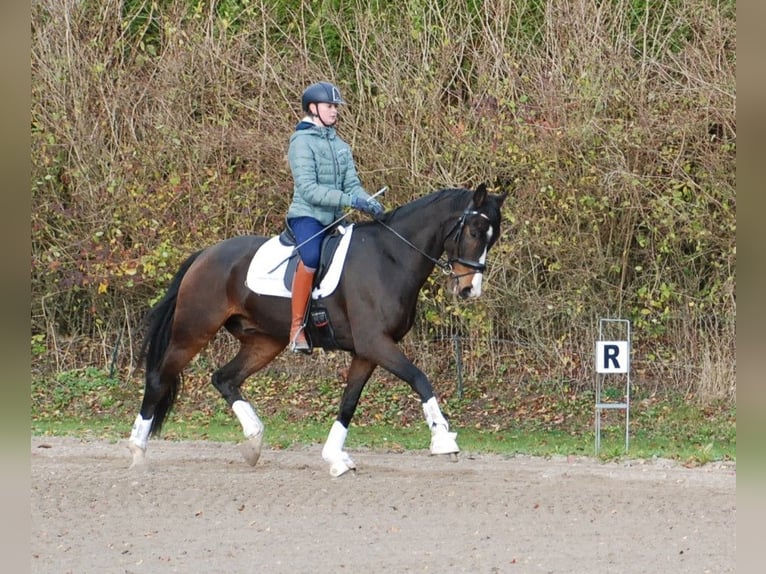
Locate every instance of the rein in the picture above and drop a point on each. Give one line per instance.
(446, 265)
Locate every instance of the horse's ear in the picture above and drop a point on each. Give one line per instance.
(480, 195)
(501, 198)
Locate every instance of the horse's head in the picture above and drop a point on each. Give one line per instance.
(473, 235)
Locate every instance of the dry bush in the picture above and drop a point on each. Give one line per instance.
(159, 128)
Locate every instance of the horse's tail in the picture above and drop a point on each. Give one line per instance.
(159, 323)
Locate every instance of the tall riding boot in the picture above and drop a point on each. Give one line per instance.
(301, 291)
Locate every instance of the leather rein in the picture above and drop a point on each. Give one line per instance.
(446, 264)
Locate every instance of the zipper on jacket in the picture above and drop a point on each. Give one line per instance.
(336, 165)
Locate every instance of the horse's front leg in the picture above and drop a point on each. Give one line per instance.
(358, 374)
(391, 358)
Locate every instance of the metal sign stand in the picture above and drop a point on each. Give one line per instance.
(612, 358)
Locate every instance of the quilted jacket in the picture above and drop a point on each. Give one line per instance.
(324, 174)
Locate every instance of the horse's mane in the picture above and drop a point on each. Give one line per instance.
(454, 194)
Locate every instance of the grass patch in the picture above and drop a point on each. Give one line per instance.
(535, 420)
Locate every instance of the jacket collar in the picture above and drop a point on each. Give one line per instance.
(307, 124)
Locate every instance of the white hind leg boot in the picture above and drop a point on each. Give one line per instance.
(139, 437)
(252, 427)
(442, 441)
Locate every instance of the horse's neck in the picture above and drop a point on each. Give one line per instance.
(427, 234)
(424, 229)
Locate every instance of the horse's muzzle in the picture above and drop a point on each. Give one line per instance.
(466, 292)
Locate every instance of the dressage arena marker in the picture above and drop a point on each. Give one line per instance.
(612, 359)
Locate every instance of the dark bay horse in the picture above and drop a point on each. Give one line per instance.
(372, 309)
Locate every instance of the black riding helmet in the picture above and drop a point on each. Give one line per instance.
(321, 92)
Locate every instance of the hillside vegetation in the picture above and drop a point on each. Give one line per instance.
(161, 127)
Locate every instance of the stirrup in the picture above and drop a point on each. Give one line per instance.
(300, 344)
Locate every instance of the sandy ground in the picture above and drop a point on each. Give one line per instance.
(198, 508)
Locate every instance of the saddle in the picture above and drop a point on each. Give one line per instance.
(330, 244)
(273, 266)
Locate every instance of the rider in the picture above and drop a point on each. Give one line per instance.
(325, 181)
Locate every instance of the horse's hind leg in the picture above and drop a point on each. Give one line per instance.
(162, 386)
(256, 351)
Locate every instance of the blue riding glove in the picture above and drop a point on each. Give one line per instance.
(369, 206)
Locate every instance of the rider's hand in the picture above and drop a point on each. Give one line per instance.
(370, 206)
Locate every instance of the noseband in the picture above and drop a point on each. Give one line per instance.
(457, 230)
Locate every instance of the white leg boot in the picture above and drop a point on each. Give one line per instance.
(332, 452)
(442, 441)
(253, 428)
(139, 437)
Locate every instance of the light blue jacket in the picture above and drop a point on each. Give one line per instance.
(324, 174)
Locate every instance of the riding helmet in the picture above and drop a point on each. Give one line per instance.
(323, 92)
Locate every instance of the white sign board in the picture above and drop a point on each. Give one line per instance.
(612, 357)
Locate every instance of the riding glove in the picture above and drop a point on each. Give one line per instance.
(370, 206)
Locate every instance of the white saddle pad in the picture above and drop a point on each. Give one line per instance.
(266, 274)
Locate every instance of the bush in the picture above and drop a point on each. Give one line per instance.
(158, 128)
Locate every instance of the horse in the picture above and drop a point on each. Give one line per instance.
(388, 260)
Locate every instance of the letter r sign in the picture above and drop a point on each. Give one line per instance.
(612, 357)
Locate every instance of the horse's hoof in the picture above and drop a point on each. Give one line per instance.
(251, 449)
(341, 467)
(444, 442)
(139, 455)
(453, 457)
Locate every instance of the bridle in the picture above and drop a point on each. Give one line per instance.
(446, 265)
(476, 266)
